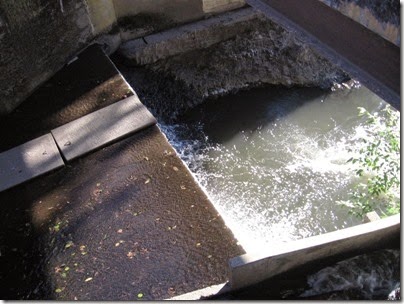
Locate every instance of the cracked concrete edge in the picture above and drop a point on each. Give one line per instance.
(192, 36)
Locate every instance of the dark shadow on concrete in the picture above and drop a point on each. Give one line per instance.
(121, 216)
(89, 83)
(124, 220)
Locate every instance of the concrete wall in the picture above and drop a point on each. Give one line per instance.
(102, 15)
(380, 16)
(147, 17)
(37, 37)
(176, 10)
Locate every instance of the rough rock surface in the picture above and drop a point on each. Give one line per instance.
(36, 39)
(265, 55)
(384, 10)
(379, 16)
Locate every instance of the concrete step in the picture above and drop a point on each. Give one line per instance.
(102, 127)
(88, 84)
(192, 36)
(28, 160)
(83, 104)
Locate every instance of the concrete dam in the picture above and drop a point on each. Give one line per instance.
(144, 147)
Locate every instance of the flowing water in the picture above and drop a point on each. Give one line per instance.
(274, 160)
(369, 276)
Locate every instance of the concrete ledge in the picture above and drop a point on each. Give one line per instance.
(249, 269)
(189, 37)
(101, 127)
(28, 160)
(203, 293)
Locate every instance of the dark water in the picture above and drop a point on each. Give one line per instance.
(273, 160)
(371, 276)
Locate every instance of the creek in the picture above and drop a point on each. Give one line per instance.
(274, 160)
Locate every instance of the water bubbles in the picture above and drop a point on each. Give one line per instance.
(280, 181)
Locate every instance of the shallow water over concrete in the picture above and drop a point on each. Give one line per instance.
(126, 222)
(273, 160)
(123, 221)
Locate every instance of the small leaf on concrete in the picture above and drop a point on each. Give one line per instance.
(68, 244)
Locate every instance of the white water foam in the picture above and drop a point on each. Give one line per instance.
(279, 182)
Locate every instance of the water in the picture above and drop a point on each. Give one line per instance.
(369, 276)
(273, 160)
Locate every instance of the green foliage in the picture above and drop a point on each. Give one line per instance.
(377, 165)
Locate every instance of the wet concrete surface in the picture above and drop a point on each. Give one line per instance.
(88, 84)
(126, 222)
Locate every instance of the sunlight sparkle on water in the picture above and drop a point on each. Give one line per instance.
(280, 181)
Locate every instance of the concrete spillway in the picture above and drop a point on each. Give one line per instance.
(128, 220)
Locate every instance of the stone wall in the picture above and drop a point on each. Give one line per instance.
(380, 16)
